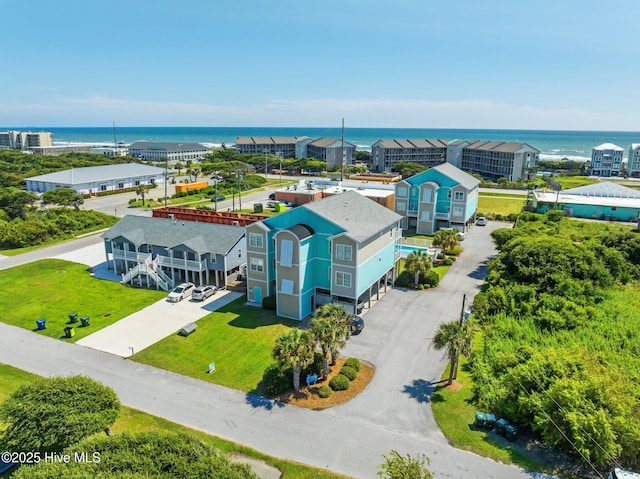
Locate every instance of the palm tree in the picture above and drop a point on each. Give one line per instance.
(446, 240)
(457, 339)
(178, 166)
(340, 320)
(195, 171)
(294, 349)
(189, 166)
(325, 331)
(142, 190)
(418, 263)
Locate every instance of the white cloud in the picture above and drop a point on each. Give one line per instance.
(99, 110)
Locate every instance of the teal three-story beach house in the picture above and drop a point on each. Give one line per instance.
(341, 249)
(442, 196)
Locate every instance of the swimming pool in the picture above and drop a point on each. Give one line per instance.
(405, 250)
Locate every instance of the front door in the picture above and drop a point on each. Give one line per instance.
(257, 294)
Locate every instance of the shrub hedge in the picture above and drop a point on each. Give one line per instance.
(349, 373)
(353, 363)
(339, 383)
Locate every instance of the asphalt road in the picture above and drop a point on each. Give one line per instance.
(392, 413)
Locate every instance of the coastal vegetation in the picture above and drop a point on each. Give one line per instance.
(561, 336)
(15, 166)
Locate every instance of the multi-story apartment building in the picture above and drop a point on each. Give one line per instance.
(341, 249)
(386, 153)
(25, 140)
(494, 159)
(332, 151)
(442, 196)
(633, 162)
(282, 146)
(606, 160)
(171, 152)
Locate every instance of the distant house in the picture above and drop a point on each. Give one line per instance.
(94, 179)
(604, 201)
(160, 253)
(442, 196)
(341, 249)
(633, 162)
(163, 152)
(606, 160)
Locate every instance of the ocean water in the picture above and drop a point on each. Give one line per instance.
(553, 145)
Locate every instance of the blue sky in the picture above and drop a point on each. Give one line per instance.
(560, 64)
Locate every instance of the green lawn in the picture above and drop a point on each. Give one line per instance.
(132, 420)
(238, 339)
(574, 181)
(503, 205)
(53, 288)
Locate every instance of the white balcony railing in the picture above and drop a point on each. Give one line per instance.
(130, 255)
(191, 265)
(443, 216)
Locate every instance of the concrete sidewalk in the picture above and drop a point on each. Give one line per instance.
(153, 323)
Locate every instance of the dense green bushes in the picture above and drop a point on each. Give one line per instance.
(353, 363)
(339, 383)
(349, 372)
(324, 391)
(405, 280)
(561, 342)
(41, 226)
(142, 455)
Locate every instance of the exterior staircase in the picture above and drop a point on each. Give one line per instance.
(152, 269)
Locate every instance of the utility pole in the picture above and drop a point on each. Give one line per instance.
(343, 157)
(464, 299)
(166, 178)
(239, 191)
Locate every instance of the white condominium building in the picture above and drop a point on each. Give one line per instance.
(25, 140)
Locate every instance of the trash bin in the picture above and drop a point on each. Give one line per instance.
(73, 317)
(511, 432)
(258, 208)
(501, 425)
(480, 419)
(69, 332)
(85, 320)
(41, 323)
(490, 421)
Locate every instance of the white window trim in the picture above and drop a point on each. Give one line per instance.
(460, 194)
(256, 240)
(256, 264)
(346, 278)
(344, 252)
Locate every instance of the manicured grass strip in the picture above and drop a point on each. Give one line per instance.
(238, 339)
(500, 205)
(132, 420)
(53, 288)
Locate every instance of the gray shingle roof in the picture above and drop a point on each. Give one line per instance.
(200, 237)
(360, 217)
(412, 144)
(447, 169)
(326, 142)
(502, 146)
(92, 174)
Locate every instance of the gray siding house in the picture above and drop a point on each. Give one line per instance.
(163, 252)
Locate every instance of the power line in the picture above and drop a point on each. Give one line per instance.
(558, 428)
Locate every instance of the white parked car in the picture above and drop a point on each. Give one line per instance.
(482, 221)
(203, 292)
(183, 290)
